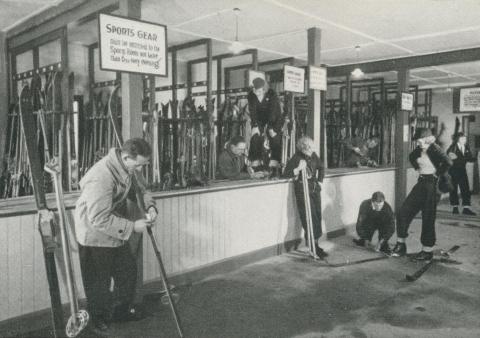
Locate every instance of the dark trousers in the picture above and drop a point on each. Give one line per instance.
(460, 178)
(373, 222)
(423, 197)
(315, 206)
(99, 265)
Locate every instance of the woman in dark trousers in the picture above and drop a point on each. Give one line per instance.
(431, 162)
(306, 158)
(459, 152)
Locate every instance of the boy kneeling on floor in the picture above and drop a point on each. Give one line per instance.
(375, 214)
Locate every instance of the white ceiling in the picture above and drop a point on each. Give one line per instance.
(383, 28)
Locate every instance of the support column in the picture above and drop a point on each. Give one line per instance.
(315, 118)
(131, 84)
(402, 141)
(4, 79)
(132, 94)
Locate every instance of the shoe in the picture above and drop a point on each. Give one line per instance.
(320, 252)
(455, 210)
(399, 250)
(423, 256)
(385, 248)
(359, 242)
(467, 211)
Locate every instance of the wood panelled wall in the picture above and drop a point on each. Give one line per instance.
(196, 230)
(193, 231)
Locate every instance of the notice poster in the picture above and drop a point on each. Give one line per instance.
(293, 79)
(469, 100)
(407, 101)
(317, 78)
(133, 46)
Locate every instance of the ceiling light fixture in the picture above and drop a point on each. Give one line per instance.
(357, 72)
(236, 46)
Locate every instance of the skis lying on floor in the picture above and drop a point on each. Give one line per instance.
(326, 263)
(444, 258)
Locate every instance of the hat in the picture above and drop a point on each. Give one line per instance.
(422, 133)
(258, 82)
(378, 196)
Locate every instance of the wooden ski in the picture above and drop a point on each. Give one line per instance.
(45, 217)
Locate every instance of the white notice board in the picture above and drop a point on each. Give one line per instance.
(293, 79)
(133, 46)
(407, 101)
(469, 99)
(317, 78)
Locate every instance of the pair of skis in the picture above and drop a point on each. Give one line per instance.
(444, 257)
(78, 318)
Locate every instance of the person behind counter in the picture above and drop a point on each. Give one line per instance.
(104, 221)
(305, 157)
(460, 153)
(232, 163)
(431, 162)
(375, 214)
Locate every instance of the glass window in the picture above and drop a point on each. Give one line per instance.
(49, 53)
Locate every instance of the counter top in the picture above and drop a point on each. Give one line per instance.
(26, 205)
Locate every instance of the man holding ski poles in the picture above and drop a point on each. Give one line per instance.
(104, 221)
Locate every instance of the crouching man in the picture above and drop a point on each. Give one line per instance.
(105, 218)
(375, 214)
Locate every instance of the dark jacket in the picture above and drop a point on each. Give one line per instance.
(439, 158)
(267, 112)
(314, 166)
(231, 166)
(366, 214)
(461, 159)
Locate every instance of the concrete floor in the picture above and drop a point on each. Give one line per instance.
(292, 296)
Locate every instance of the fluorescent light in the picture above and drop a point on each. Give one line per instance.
(357, 72)
(236, 47)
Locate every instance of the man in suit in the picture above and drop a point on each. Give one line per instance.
(460, 153)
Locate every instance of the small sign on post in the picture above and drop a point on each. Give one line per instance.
(132, 46)
(293, 79)
(317, 78)
(407, 101)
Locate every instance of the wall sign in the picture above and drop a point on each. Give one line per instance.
(134, 46)
(407, 101)
(293, 79)
(317, 78)
(469, 100)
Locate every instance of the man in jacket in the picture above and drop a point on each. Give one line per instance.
(430, 162)
(104, 221)
(375, 214)
(232, 163)
(460, 153)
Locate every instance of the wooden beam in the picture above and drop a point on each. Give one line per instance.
(67, 12)
(402, 142)
(190, 44)
(225, 56)
(219, 82)
(174, 75)
(410, 62)
(314, 118)
(255, 60)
